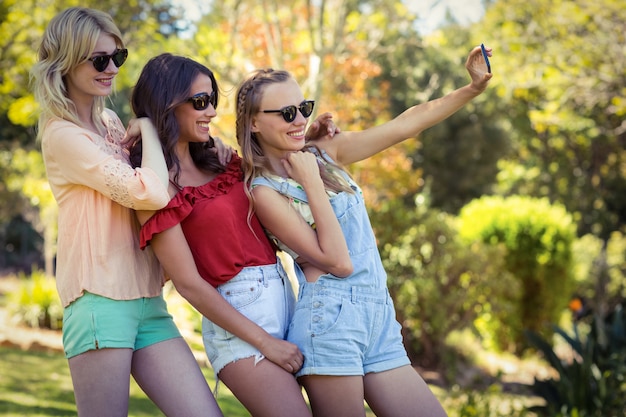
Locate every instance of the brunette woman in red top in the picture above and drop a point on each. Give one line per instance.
(213, 248)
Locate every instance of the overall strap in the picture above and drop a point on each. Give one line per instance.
(282, 186)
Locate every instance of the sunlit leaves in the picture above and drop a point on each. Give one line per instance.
(565, 74)
(23, 111)
(538, 238)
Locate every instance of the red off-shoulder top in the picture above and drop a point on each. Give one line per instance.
(214, 217)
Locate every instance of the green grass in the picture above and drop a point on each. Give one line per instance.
(38, 384)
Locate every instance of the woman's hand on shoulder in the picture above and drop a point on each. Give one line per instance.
(322, 128)
(223, 151)
(138, 129)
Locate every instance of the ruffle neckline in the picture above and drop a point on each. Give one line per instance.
(181, 205)
(220, 185)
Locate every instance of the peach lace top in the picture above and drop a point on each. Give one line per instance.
(97, 190)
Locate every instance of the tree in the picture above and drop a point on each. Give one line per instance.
(458, 157)
(565, 94)
(326, 45)
(24, 187)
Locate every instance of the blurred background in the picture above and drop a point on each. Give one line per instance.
(502, 228)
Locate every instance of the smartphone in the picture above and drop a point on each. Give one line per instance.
(482, 47)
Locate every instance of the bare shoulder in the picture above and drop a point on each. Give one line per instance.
(266, 197)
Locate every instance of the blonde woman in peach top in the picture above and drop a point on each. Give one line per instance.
(115, 321)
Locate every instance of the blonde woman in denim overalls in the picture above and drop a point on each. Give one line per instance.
(344, 322)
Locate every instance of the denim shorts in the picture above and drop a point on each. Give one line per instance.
(343, 330)
(95, 322)
(264, 295)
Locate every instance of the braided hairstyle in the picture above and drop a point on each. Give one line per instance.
(254, 162)
(249, 96)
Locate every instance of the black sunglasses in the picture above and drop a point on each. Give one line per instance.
(289, 113)
(101, 62)
(201, 101)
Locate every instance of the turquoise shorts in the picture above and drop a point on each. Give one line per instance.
(95, 322)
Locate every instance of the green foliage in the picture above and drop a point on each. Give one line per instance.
(439, 284)
(563, 86)
(36, 302)
(469, 403)
(616, 264)
(29, 177)
(538, 239)
(458, 156)
(593, 382)
(600, 269)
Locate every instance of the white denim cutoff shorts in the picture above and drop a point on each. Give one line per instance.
(264, 295)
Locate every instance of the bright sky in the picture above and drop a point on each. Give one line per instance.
(432, 13)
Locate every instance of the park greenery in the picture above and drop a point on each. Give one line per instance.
(489, 222)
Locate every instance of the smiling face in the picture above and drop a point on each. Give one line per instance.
(276, 136)
(194, 124)
(84, 82)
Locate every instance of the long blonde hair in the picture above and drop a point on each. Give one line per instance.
(68, 41)
(254, 163)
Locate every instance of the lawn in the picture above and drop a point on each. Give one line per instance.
(38, 384)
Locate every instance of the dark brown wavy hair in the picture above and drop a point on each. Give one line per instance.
(164, 84)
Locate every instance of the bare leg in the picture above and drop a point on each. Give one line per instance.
(169, 374)
(101, 380)
(332, 396)
(265, 389)
(401, 392)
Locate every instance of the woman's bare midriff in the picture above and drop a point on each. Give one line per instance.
(311, 273)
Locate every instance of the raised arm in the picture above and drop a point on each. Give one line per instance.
(78, 156)
(172, 250)
(152, 154)
(349, 147)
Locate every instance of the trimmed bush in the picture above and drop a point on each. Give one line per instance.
(439, 284)
(538, 239)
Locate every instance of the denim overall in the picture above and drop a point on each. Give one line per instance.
(345, 326)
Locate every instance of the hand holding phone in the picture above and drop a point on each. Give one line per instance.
(482, 48)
